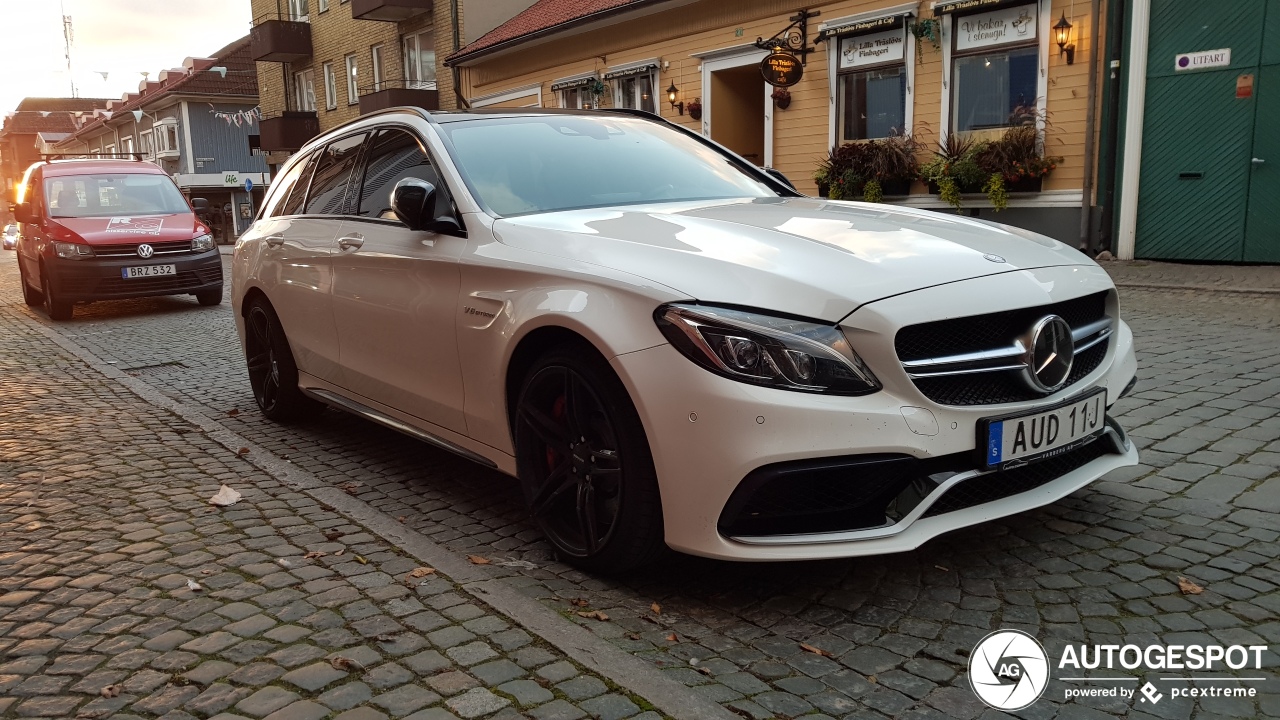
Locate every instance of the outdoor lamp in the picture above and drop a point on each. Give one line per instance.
(672, 93)
(1062, 33)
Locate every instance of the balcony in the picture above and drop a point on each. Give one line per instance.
(279, 40)
(388, 10)
(287, 132)
(395, 93)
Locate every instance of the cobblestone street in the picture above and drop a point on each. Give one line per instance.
(116, 428)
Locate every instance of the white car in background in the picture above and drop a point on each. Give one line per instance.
(671, 347)
(9, 238)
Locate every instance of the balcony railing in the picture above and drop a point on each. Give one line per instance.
(288, 131)
(397, 93)
(388, 10)
(279, 39)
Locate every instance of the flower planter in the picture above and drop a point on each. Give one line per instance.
(896, 187)
(1024, 185)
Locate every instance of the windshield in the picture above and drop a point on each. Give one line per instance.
(526, 165)
(10, 229)
(106, 195)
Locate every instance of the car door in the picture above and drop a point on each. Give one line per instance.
(395, 292)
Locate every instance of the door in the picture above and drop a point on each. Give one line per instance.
(395, 293)
(736, 109)
(1262, 230)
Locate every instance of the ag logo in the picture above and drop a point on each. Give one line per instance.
(1008, 670)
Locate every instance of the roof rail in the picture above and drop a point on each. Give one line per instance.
(136, 156)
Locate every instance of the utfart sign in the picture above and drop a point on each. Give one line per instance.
(1203, 60)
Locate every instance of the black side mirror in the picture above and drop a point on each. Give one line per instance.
(414, 201)
(776, 174)
(22, 213)
(200, 205)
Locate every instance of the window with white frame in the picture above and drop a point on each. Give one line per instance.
(330, 91)
(166, 136)
(353, 92)
(322, 5)
(375, 56)
(871, 81)
(420, 61)
(126, 145)
(110, 149)
(304, 90)
(298, 11)
(633, 87)
(995, 60)
(573, 92)
(145, 146)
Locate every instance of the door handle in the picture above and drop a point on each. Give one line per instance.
(275, 240)
(1257, 161)
(351, 242)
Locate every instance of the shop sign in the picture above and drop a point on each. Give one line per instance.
(781, 69)
(1203, 60)
(1244, 86)
(231, 180)
(947, 8)
(998, 27)
(872, 49)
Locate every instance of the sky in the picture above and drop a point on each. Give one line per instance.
(122, 38)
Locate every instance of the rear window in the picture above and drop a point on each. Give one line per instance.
(112, 194)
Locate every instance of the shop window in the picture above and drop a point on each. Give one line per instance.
(635, 91)
(574, 98)
(573, 91)
(871, 87)
(994, 68)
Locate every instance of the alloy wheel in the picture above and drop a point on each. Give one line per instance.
(263, 363)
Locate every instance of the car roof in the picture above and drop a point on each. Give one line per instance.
(57, 168)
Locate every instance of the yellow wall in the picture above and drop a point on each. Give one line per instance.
(801, 131)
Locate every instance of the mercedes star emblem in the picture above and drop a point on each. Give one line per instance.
(145, 251)
(993, 258)
(1050, 352)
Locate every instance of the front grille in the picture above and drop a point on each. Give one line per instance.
(1003, 484)
(995, 331)
(171, 247)
(119, 286)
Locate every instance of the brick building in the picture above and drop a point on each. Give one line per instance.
(20, 139)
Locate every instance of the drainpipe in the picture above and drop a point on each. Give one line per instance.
(1086, 192)
(1110, 140)
(1135, 104)
(457, 43)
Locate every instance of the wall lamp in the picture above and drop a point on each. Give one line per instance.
(672, 93)
(1062, 33)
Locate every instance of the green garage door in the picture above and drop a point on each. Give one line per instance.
(1210, 185)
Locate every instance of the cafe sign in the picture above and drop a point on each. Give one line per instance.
(872, 49)
(781, 69)
(998, 27)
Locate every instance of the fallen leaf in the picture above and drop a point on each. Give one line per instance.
(594, 614)
(704, 671)
(284, 563)
(1189, 587)
(386, 637)
(650, 618)
(350, 488)
(233, 412)
(206, 571)
(242, 451)
(225, 497)
(656, 608)
(402, 518)
(872, 679)
(633, 636)
(337, 554)
(477, 560)
(314, 554)
(673, 638)
(942, 568)
(193, 586)
(421, 572)
(111, 691)
(344, 663)
(815, 650)
(361, 560)
(579, 602)
(332, 535)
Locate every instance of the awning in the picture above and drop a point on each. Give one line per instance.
(641, 69)
(954, 6)
(863, 27)
(570, 83)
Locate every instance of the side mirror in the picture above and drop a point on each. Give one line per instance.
(23, 214)
(200, 205)
(414, 201)
(777, 175)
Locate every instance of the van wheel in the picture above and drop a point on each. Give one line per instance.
(30, 295)
(584, 463)
(209, 298)
(57, 308)
(273, 374)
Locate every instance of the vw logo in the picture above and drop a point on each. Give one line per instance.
(1050, 352)
(1008, 670)
(145, 251)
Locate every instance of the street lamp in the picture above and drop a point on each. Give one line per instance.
(1062, 33)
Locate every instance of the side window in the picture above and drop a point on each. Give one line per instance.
(395, 155)
(278, 201)
(334, 166)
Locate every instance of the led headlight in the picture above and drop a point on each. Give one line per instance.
(202, 243)
(72, 251)
(767, 350)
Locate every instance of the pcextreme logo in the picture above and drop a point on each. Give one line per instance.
(1009, 670)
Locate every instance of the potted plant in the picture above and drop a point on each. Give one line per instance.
(781, 97)
(869, 170)
(1015, 161)
(695, 109)
(955, 169)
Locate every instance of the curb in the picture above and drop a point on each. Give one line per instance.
(1196, 288)
(579, 644)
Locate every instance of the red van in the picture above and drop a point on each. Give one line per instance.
(109, 229)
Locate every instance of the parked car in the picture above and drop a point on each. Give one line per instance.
(668, 345)
(107, 229)
(10, 236)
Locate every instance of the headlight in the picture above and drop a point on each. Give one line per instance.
(766, 350)
(73, 251)
(202, 243)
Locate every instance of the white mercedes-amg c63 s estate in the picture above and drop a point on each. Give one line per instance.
(669, 346)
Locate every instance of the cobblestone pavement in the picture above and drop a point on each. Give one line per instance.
(124, 593)
(1236, 278)
(1101, 566)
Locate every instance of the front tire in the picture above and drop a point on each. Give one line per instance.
(209, 298)
(57, 308)
(273, 374)
(584, 463)
(30, 295)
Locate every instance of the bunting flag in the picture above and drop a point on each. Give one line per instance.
(137, 116)
(45, 113)
(239, 118)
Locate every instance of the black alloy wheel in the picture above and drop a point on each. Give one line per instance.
(273, 375)
(585, 465)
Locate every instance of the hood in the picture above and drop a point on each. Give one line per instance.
(804, 256)
(136, 229)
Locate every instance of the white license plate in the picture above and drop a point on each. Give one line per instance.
(1044, 433)
(147, 271)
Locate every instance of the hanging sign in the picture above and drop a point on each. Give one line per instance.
(781, 69)
(1203, 60)
(872, 49)
(998, 27)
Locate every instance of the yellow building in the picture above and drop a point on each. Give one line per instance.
(961, 68)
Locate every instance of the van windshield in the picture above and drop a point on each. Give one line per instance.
(106, 195)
